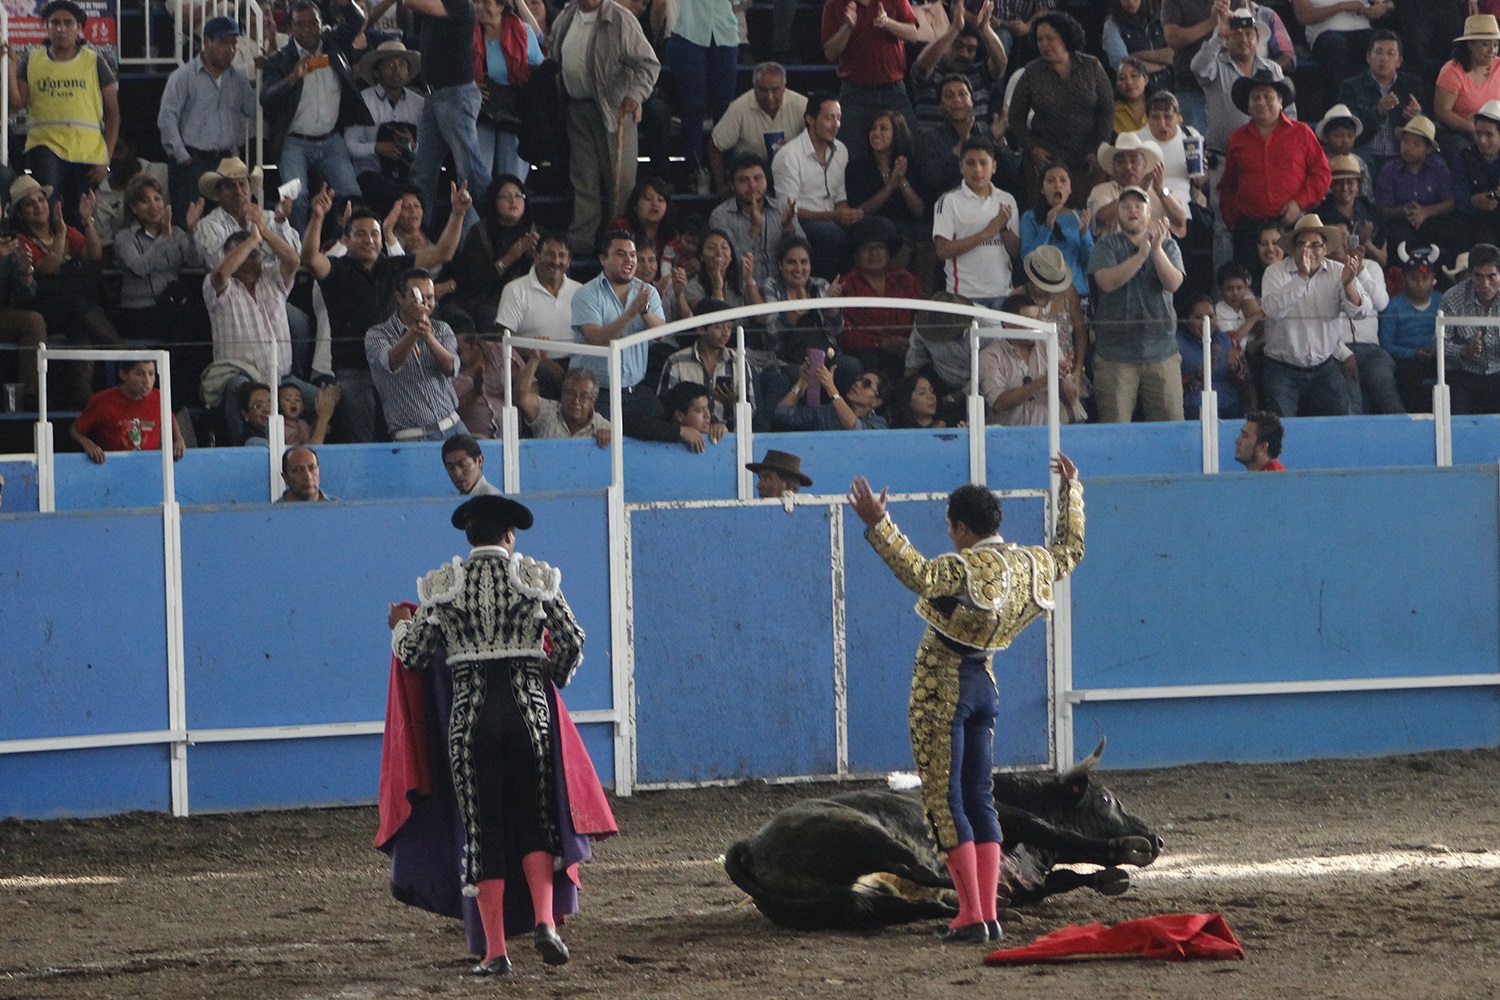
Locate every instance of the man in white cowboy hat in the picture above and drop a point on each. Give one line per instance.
(1415, 190)
(1476, 179)
(386, 146)
(310, 96)
(1383, 99)
(1338, 130)
(204, 109)
(1274, 167)
(233, 185)
(1308, 299)
(1228, 55)
(1134, 162)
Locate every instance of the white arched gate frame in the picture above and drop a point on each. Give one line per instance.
(984, 324)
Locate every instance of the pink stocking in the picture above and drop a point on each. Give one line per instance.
(538, 868)
(987, 865)
(962, 866)
(492, 914)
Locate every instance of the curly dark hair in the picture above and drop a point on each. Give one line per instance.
(976, 508)
(1067, 27)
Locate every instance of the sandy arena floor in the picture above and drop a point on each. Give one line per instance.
(1358, 879)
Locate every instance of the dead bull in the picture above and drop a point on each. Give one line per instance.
(836, 863)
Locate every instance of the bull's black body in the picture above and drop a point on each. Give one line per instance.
(804, 869)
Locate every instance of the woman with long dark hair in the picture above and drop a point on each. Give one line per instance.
(497, 251)
(650, 214)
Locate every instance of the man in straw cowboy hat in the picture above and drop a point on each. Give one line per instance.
(204, 109)
(1308, 298)
(1346, 201)
(233, 185)
(778, 473)
(1415, 190)
(1274, 167)
(1134, 162)
(382, 151)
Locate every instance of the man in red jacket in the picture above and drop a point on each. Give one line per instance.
(1275, 169)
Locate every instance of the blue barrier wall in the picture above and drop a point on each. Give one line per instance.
(1288, 577)
(284, 624)
(1188, 580)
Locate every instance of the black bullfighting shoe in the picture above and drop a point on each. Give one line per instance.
(974, 933)
(494, 967)
(996, 932)
(549, 945)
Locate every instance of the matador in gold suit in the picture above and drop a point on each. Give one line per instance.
(975, 600)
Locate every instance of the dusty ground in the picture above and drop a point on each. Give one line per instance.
(1358, 879)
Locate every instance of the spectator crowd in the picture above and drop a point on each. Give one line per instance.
(1130, 178)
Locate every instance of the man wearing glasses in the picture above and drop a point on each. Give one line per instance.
(1307, 298)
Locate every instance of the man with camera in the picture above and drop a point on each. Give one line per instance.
(310, 97)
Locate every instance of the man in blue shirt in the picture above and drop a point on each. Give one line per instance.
(207, 101)
(614, 305)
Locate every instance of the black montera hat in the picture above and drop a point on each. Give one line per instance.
(501, 510)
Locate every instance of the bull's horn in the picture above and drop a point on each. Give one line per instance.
(1083, 767)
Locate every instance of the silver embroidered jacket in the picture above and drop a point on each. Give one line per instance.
(492, 606)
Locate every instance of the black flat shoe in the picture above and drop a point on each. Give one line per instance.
(494, 967)
(549, 945)
(974, 933)
(996, 932)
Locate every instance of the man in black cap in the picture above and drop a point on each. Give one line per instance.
(778, 473)
(507, 631)
(203, 111)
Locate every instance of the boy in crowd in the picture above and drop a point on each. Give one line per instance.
(976, 230)
(1408, 330)
(125, 418)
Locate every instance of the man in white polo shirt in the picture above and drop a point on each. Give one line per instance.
(539, 304)
(976, 230)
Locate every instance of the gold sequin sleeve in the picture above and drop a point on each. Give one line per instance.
(941, 577)
(1067, 547)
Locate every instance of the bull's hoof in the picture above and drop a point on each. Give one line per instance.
(1111, 882)
(549, 945)
(975, 933)
(494, 967)
(1137, 851)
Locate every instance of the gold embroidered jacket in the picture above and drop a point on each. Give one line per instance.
(984, 596)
